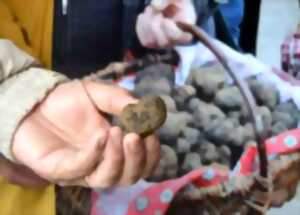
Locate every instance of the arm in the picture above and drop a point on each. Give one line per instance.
(22, 86)
(61, 135)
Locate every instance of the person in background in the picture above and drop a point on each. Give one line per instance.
(290, 54)
(42, 112)
(233, 13)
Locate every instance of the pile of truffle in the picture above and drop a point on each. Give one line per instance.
(207, 120)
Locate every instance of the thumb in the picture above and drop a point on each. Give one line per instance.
(110, 99)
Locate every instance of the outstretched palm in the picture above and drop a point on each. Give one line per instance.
(66, 139)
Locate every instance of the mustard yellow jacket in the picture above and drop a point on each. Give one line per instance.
(27, 23)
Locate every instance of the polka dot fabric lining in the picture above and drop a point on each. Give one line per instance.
(157, 198)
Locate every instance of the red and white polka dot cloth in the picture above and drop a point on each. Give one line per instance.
(290, 55)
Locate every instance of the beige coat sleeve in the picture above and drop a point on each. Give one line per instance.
(22, 86)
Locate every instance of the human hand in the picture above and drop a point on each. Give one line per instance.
(156, 26)
(67, 141)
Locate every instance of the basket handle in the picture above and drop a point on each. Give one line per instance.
(259, 130)
(116, 70)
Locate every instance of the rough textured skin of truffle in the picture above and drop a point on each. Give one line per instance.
(168, 165)
(192, 135)
(229, 98)
(152, 86)
(205, 113)
(285, 118)
(264, 93)
(182, 94)
(169, 101)
(145, 117)
(174, 125)
(183, 146)
(207, 120)
(191, 162)
(208, 80)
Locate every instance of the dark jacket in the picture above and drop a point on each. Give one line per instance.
(90, 34)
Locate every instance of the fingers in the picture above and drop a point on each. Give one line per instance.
(108, 98)
(123, 166)
(154, 30)
(109, 171)
(152, 148)
(135, 160)
(125, 160)
(161, 39)
(70, 163)
(143, 30)
(176, 35)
